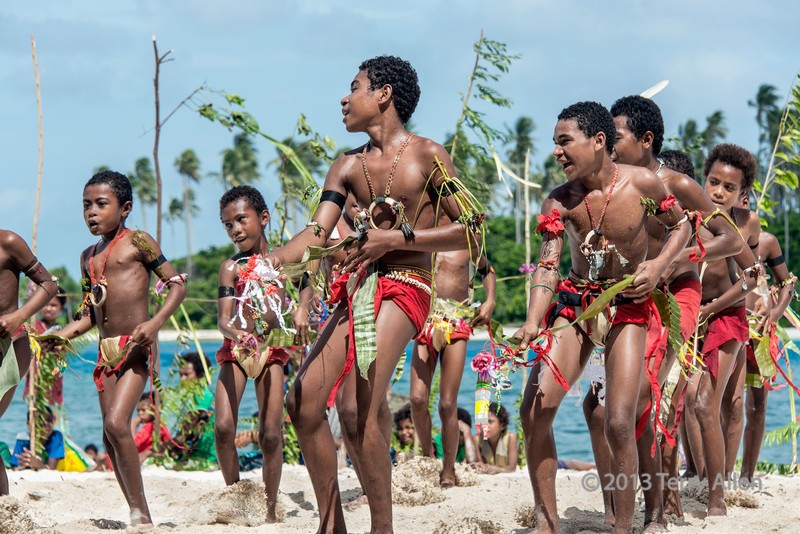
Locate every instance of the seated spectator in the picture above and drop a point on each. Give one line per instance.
(467, 451)
(143, 427)
(24, 458)
(498, 452)
(194, 439)
(404, 429)
(99, 457)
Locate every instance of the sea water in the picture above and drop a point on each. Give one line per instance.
(571, 434)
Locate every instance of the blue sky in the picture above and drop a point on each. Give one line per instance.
(292, 57)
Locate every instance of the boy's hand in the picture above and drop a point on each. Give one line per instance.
(465, 429)
(526, 334)
(28, 459)
(10, 323)
(300, 321)
(483, 315)
(645, 280)
(146, 334)
(373, 246)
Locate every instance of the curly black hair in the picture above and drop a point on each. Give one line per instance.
(391, 70)
(118, 183)
(678, 161)
(252, 195)
(500, 412)
(643, 116)
(464, 415)
(402, 414)
(193, 359)
(735, 156)
(592, 118)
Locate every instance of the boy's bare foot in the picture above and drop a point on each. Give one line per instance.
(717, 510)
(672, 503)
(447, 482)
(610, 518)
(140, 519)
(654, 526)
(356, 503)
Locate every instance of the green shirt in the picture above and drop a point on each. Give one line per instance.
(461, 453)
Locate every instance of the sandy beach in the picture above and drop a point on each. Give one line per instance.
(197, 502)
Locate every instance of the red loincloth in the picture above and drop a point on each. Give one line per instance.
(728, 325)
(99, 371)
(412, 300)
(276, 354)
(462, 332)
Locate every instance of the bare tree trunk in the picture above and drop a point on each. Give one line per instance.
(144, 214)
(187, 217)
(155, 142)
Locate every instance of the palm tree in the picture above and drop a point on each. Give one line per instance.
(240, 163)
(188, 166)
(173, 213)
(768, 116)
(522, 143)
(143, 182)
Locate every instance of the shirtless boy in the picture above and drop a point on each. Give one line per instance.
(601, 208)
(768, 309)
(116, 276)
(729, 171)
(244, 355)
(395, 180)
(640, 135)
(452, 315)
(15, 349)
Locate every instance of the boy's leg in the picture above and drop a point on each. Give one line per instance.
(690, 426)
(709, 400)
(394, 331)
(669, 457)
(423, 368)
(230, 388)
(732, 412)
(22, 348)
(595, 415)
(269, 393)
(649, 465)
(756, 410)
(540, 402)
(306, 402)
(117, 402)
(452, 369)
(625, 349)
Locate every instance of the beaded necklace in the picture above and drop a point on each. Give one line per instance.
(596, 256)
(99, 288)
(364, 217)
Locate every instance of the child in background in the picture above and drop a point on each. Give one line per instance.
(24, 458)
(48, 324)
(404, 429)
(143, 436)
(194, 439)
(467, 451)
(498, 452)
(98, 457)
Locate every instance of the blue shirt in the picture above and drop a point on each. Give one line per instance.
(53, 447)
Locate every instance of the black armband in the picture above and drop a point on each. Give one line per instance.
(772, 262)
(225, 291)
(753, 247)
(305, 281)
(29, 269)
(156, 263)
(486, 269)
(449, 188)
(332, 196)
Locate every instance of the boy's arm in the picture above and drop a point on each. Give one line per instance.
(486, 309)
(47, 288)
(725, 241)
(782, 276)
(749, 265)
(225, 301)
(86, 322)
(147, 332)
(303, 311)
(649, 273)
(546, 277)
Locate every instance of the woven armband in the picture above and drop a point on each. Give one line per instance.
(305, 281)
(156, 263)
(772, 262)
(332, 196)
(449, 188)
(225, 291)
(29, 269)
(753, 247)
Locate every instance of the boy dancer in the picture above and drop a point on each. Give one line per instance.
(445, 337)
(116, 280)
(384, 287)
(602, 207)
(15, 349)
(640, 135)
(730, 171)
(250, 304)
(768, 309)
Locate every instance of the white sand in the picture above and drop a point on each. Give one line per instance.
(188, 502)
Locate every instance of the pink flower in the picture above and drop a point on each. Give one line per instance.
(667, 204)
(527, 268)
(483, 362)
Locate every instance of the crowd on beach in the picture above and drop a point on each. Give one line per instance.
(679, 265)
